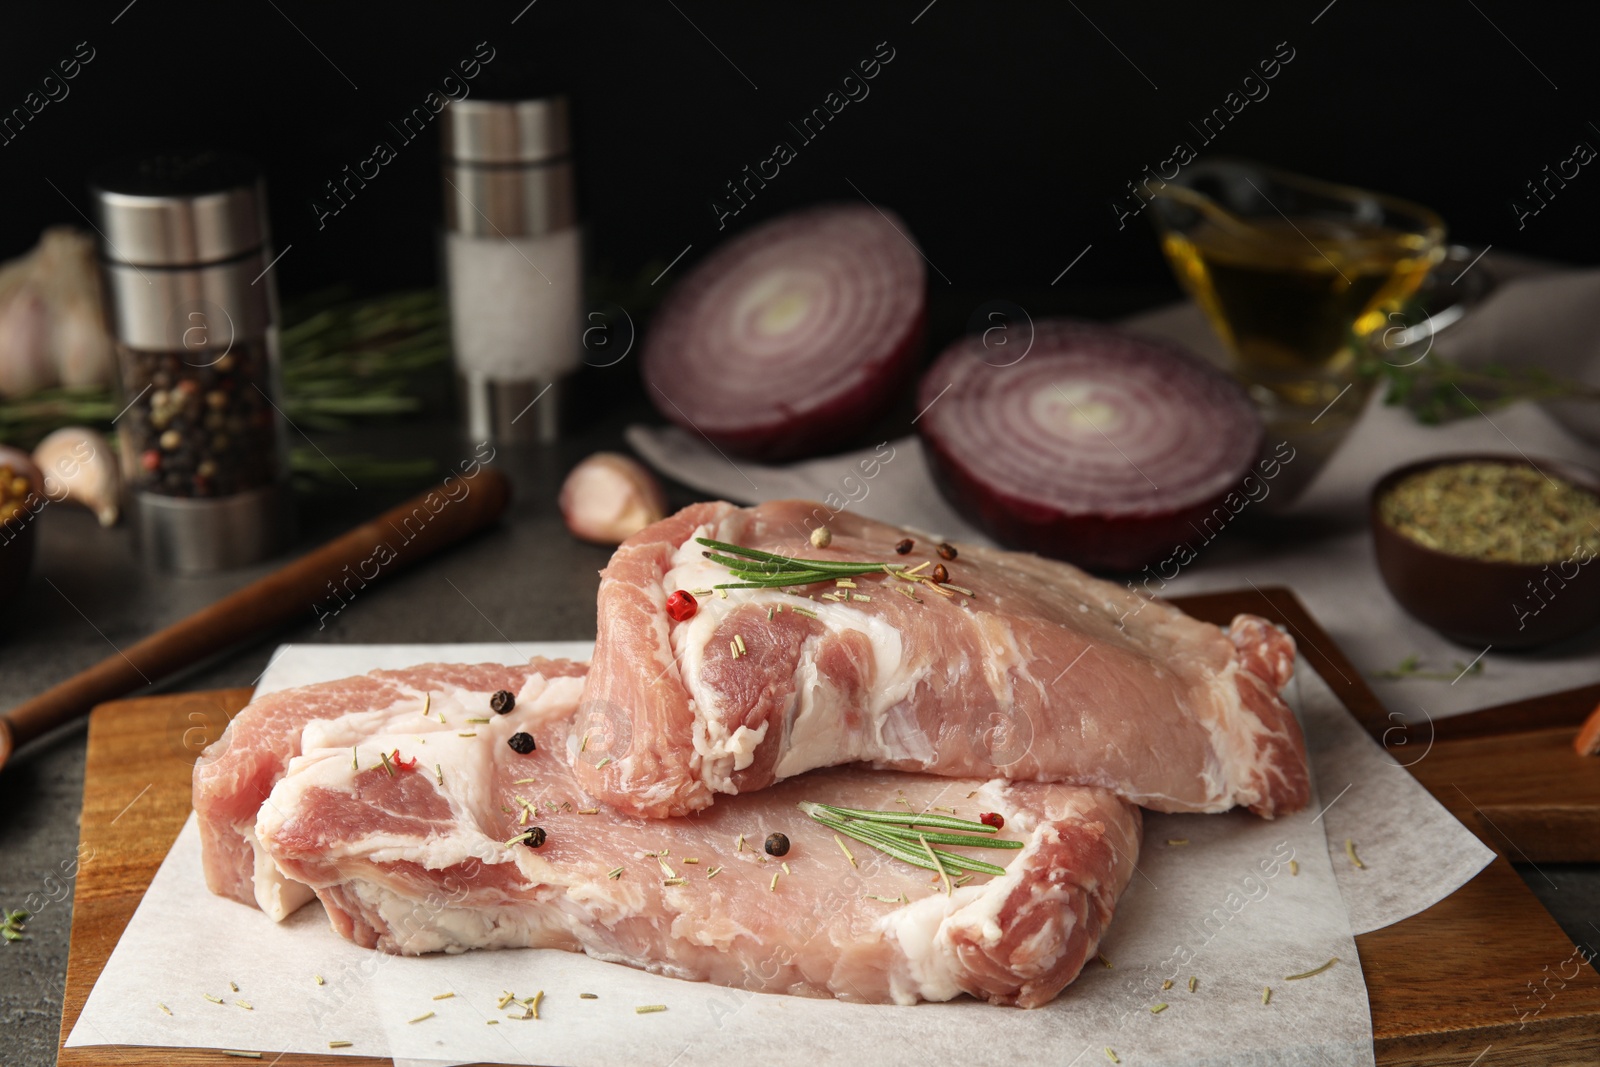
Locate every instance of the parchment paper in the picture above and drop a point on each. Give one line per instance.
(1223, 908)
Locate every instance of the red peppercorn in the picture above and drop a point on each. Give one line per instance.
(151, 460)
(681, 605)
(403, 764)
(940, 575)
(994, 819)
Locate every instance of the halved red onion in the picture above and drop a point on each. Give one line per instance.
(791, 338)
(1100, 447)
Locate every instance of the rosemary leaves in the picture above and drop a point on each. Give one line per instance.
(895, 834)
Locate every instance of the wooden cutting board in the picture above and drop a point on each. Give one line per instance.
(1444, 986)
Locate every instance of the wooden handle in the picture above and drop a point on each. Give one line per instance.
(412, 532)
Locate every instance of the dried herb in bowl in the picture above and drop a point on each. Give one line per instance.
(1500, 512)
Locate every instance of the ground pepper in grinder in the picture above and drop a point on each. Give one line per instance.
(193, 306)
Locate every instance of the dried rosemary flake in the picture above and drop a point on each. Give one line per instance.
(944, 875)
(214, 1000)
(1193, 981)
(769, 614)
(443, 996)
(588, 996)
(700, 592)
(163, 1007)
(386, 764)
(614, 873)
(842, 848)
(504, 1000)
(318, 977)
(525, 781)
(602, 763)
(534, 1007)
(1101, 956)
(588, 811)
(1175, 841)
(1167, 984)
(519, 838)
(785, 867)
(1157, 1009)
(959, 589)
(420, 1018)
(676, 881)
(723, 593)
(1313, 972)
(584, 745)
(741, 844)
(907, 593)
(886, 900)
(833, 597)
(738, 639)
(844, 583)
(914, 570)
(1350, 850)
(1112, 1056)
(473, 733)
(807, 612)
(340, 1044)
(1266, 993)
(712, 873)
(491, 1022)
(649, 1009)
(772, 886)
(733, 647)
(476, 722)
(438, 772)
(963, 880)
(245, 1004)
(355, 762)
(441, 719)
(234, 986)
(238, 1055)
(938, 807)
(859, 596)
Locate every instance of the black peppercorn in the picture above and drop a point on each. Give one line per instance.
(522, 744)
(502, 702)
(902, 547)
(777, 845)
(946, 550)
(536, 835)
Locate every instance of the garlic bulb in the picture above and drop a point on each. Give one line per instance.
(52, 326)
(78, 465)
(608, 498)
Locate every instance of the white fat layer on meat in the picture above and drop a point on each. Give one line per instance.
(413, 928)
(276, 894)
(816, 734)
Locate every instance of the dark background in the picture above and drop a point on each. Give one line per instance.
(1001, 133)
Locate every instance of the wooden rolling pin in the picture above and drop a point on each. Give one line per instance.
(395, 540)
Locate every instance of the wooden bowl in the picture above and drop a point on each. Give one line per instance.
(1483, 602)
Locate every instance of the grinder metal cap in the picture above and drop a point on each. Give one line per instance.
(181, 209)
(506, 131)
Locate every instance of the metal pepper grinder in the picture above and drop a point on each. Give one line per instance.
(194, 312)
(513, 262)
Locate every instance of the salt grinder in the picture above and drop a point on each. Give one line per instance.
(513, 263)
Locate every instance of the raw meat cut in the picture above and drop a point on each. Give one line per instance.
(236, 773)
(424, 858)
(1043, 674)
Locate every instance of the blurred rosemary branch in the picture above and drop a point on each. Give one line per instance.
(343, 361)
(1436, 391)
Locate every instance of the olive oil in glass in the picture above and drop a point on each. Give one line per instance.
(1290, 295)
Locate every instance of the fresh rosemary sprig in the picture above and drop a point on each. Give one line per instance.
(756, 569)
(893, 833)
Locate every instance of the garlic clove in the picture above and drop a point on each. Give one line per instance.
(608, 498)
(79, 465)
(25, 361)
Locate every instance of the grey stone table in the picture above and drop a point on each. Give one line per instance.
(525, 579)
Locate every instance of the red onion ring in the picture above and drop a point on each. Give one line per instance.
(1103, 448)
(790, 339)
